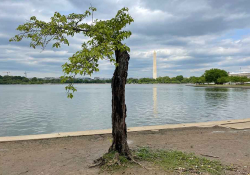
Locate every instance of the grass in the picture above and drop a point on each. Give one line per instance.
(244, 85)
(177, 160)
(170, 161)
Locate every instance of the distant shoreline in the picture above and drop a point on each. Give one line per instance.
(223, 86)
(192, 85)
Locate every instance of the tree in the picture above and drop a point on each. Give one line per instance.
(105, 43)
(179, 78)
(165, 79)
(201, 80)
(212, 75)
(34, 79)
(132, 80)
(240, 80)
(194, 79)
(185, 80)
(223, 80)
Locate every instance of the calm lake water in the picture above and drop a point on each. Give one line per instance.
(42, 109)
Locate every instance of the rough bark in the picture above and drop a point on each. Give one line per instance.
(119, 128)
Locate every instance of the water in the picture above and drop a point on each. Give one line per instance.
(42, 109)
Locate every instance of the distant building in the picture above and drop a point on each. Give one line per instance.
(84, 78)
(96, 78)
(51, 78)
(240, 74)
(105, 78)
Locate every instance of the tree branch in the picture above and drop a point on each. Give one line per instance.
(80, 30)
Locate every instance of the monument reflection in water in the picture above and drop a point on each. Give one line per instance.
(155, 101)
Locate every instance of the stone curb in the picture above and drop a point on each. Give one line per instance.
(234, 124)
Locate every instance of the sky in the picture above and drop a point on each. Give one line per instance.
(189, 36)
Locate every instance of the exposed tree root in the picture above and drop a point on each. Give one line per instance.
(134, 161)
(98, 162)
(115, 161)
(102, 161)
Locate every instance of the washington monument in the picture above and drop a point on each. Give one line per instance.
(154, 67)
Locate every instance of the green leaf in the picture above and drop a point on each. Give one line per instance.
(104, 38)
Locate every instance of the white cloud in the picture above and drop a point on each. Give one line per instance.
(189, 36)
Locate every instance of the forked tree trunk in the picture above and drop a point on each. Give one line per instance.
(119, 128)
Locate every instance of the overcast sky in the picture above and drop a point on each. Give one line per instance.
(189, 36)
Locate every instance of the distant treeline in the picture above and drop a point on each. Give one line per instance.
(193, 80)
(175, 80)
(23, 80)
(216, 76)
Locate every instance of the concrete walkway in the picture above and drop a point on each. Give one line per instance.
(233, 124)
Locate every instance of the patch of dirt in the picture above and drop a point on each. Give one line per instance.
(73, 155)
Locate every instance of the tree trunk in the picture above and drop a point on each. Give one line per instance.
(119, 128)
